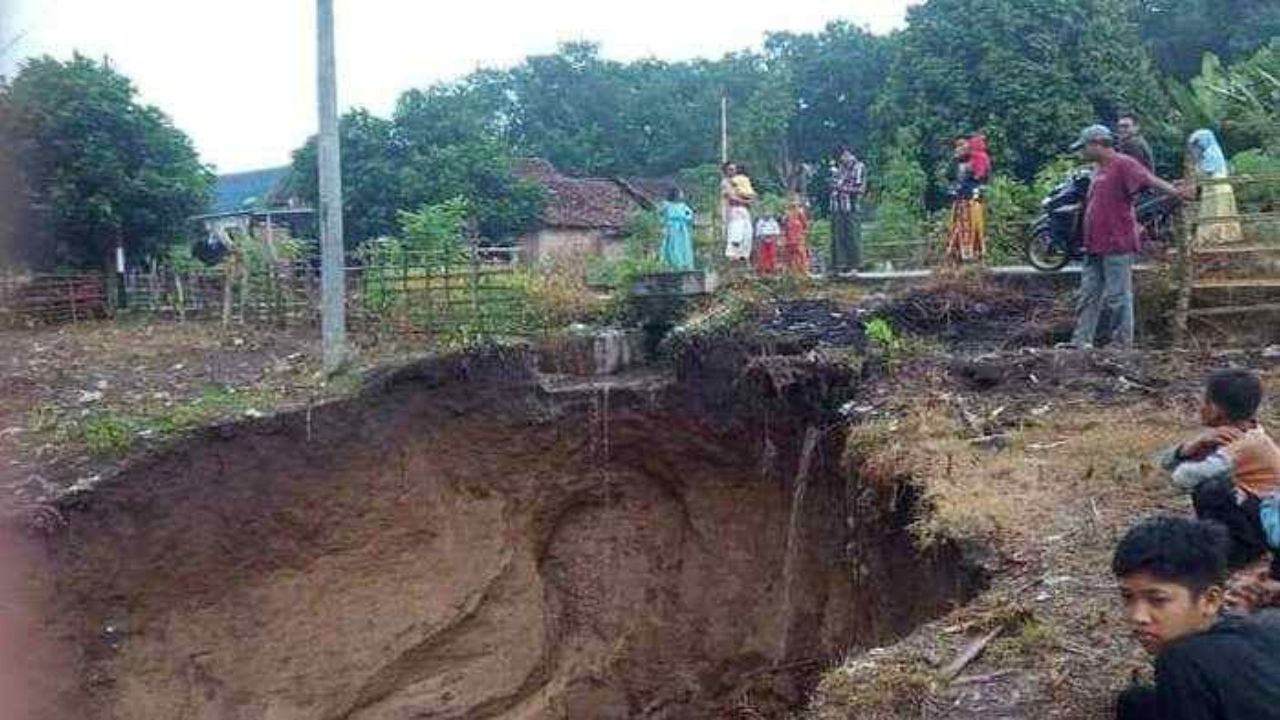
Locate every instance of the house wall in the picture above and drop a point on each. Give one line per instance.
(549, 243)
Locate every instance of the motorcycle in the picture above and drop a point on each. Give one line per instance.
(1057, 234)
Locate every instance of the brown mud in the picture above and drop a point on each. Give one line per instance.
(457, 542)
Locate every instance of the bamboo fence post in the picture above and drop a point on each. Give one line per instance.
(181, 296)
(475, 283)
(1185, 277)
(227, 280)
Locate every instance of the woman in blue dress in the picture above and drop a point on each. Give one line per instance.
(677, 240)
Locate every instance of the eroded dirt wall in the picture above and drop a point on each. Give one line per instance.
(457, 543)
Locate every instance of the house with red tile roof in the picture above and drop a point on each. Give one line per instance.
(585, 215)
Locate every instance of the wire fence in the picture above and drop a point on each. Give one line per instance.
(472, 291)
(53, 299)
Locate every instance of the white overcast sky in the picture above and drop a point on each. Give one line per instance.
(238, 75)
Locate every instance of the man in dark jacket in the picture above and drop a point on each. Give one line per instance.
(1209, 666)
(1130, 141)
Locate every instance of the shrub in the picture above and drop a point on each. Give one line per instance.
(1010, 207)
(900, 198)
(437, 230)
(556, 293)
(1258, 196)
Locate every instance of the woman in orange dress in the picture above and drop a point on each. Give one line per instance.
(795, 229)
(967, 235)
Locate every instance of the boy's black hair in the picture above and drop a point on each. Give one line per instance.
(1128, 114)
(1236, 391)
(1191, 553)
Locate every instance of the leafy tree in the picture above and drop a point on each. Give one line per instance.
(372, 164)
(101, 167)
(835, 75)
(1028, 72)
(1180, 32)
(765, 140)
(900, 194)
(430, 152)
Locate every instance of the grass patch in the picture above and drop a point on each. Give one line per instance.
(871, 691)
(109, 433)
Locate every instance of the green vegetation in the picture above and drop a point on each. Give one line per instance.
(899, 196)
(881, 333)
(430, 153)
(1027, 73)
(100, 167)
(113, 431)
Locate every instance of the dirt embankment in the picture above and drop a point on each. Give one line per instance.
(455, 542)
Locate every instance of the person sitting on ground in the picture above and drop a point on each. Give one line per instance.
(1231, 466)
(1208, 666)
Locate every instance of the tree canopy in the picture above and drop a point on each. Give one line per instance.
(1030, 74)
(1180, 32)
(97, 166)
(437, 147)
(92, 165)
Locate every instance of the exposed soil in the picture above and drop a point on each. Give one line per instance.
(456, 542)
(967, 311)
(144, 380)
(465, 538)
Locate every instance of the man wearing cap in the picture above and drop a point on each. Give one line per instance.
(1111, 238)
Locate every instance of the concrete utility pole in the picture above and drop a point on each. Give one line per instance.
(333, 321)
(724, 129)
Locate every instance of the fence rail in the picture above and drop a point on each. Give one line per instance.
(52, 299)
(1229, 256)
(477, 290)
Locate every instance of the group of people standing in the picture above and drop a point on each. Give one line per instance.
(777, 240)
(1122, 172)
(1123, 169)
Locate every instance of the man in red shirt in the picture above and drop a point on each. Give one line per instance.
(1111, 237)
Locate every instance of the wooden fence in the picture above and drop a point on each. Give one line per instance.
(52, 299)
(475, 291)
(1229, 260)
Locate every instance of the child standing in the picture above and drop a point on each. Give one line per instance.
(768, 237)
(795, 226)
(677, 240)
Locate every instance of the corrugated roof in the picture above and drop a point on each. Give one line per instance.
(246, 190)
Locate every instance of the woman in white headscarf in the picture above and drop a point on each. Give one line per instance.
(1218, 219)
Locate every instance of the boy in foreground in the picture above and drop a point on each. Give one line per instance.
(1171, 572)
(1232, 466)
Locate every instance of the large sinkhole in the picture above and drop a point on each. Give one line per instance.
(460, 541)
